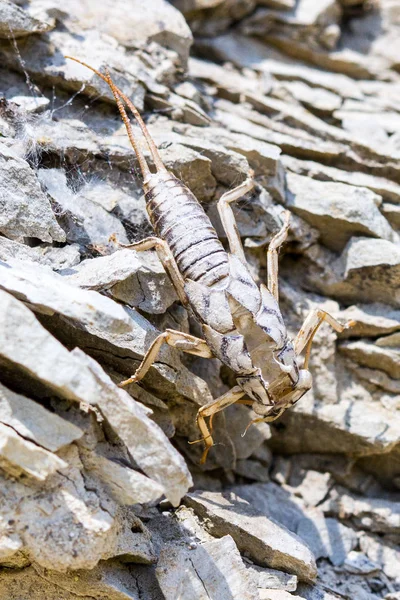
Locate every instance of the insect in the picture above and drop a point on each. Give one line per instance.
(241, 322)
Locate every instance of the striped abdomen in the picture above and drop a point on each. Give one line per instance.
(179, 219)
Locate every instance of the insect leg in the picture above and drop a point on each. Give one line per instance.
(272, 256)
(228, 218)
(209, 410)
(310, 327)
(176, 339)
(167, 259)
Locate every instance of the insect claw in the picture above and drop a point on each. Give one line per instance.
(127, 381)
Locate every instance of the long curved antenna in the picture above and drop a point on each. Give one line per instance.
(118, 94)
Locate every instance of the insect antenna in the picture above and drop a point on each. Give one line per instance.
(118, 95)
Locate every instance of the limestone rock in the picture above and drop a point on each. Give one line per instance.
(266, 542)
(33, 422)
(18, 455)
(16, 22)
(337, 210)
(211, 570)
(134, 278)
(25, 212)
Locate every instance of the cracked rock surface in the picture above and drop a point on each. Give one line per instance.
(101, 496)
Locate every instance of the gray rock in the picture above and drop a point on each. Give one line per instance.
(325, 537)
(389, 190)
(81, 379)
(373, 356)
(84, 221)
(25, 212)
(271, 579)
(134, 278)
(33, 422)
(382, 552)
(16, 22)
(125, 485)
(378, 515)
(265, 541)
(211, 570)
(56, 258)
(18, 456)
(337, 210)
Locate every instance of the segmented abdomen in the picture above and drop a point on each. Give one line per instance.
(179, 219)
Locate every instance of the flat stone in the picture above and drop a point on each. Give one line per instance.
(18, 455)
(126, 485)
(382, 552)
(370, 320)
(358, 564)
(315, 99)
(337, 210)
(389, 190)
(271, 579)
(56, 258)
(86, 222)
(325, 537)
(25, 209)
(213, 569)
(134, 278)
(378, 515)
(109, 579)
(80, 378)
(33, 422)
(370, 355)
(266, 542)
(16, 22)
(147, 443)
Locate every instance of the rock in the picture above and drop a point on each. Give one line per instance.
(89, 384)
(372, 514)
(370, 320)
(325, 537)
(265, 541)
(56, 258)
(381, 552)
(337, 210)
(316, 100)
(370, 355)
(134, 278)
(271, 579)
(144, 439)
(110, 579)
(212, 569)
(33, 422)
(18, 455)
(316, 25)
(358, 563)
(84, 221)
(63, 526)
(17, 23)
(26, 212)
(125, 485)
(366, 266)
(389, 190)
(277, 595)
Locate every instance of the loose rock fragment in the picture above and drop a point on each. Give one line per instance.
(18, 455)
(24, 209)
(17, 23)
(213, 569)
(33, 422)
(266, 542)
(134, 278)
(337, 210)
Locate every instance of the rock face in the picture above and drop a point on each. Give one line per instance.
(101, 495)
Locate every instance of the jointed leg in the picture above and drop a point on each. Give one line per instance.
(310, 327)
(272, 256)
(210, 409)
(176, 339)
(228, 218)
(166, 257)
